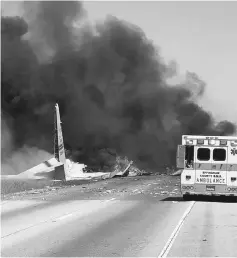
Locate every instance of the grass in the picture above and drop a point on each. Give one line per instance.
(13, 185)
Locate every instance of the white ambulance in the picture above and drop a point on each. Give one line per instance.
(209, 165)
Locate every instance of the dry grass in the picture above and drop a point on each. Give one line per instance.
(13, 185)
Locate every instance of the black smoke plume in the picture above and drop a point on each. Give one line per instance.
(109, 80)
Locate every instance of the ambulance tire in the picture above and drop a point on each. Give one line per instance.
(187, 197)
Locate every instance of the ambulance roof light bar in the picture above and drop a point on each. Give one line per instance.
(210, 140)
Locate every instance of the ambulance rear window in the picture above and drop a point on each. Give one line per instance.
(219, 154)
(203, 154)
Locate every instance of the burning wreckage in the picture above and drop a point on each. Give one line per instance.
(110, 83)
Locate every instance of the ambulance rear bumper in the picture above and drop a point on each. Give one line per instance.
(210, 190)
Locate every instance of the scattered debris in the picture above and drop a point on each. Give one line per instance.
(177, 173)
(154, 187)
(164, 192)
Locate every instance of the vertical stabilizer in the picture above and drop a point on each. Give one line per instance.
(59, 151)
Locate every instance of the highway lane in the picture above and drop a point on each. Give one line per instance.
(136, 221)
(210, 230)
(97, 228)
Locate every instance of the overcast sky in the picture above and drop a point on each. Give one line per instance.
(200, 36)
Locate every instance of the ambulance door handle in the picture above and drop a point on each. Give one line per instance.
(199, 165)
(221, 166)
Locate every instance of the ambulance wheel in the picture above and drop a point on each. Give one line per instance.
(187, 197)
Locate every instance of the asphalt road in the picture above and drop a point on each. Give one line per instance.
(143, 217)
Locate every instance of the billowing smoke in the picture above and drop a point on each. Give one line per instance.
(109, 80)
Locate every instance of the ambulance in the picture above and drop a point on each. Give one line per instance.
(208, 164)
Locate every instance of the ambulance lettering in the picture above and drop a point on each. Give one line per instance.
(211, 180)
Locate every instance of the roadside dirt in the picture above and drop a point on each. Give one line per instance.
(152, 186)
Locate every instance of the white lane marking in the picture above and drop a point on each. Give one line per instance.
(64, 217)
(112, 199)
(75, 212)
(174, 234)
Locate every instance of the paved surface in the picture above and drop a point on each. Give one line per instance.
(142, 216)
(210, 230)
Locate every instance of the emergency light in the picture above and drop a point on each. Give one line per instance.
(200, 141)
(233, 143)
(223, 142)
(189, 141)
(212, 141)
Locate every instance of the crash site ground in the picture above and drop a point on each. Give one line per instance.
(147, 186)
(142, 216)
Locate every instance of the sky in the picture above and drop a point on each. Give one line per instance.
(201, 36)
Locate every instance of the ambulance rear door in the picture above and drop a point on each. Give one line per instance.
(219, 165)
(211, 165)
(202, 163)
